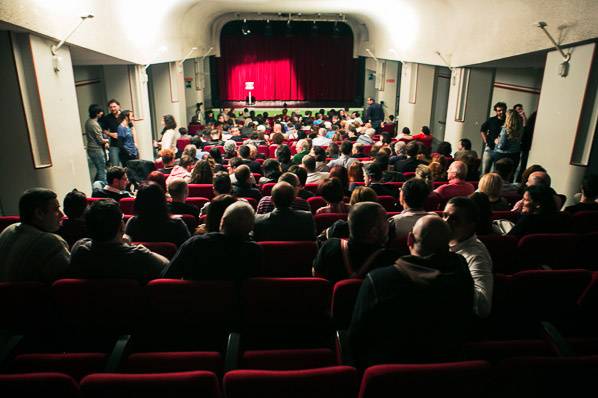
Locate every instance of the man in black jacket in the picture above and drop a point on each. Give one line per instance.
(418, 309)
(374, 114)
(284, 223)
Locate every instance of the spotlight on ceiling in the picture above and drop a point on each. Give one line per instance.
(244, 28)
(336, 30)
(314, 29)
(288, 30)
(268, 28)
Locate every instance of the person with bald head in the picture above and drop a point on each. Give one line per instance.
(364, 250)
(284, 223)
(457, 186)
(538, 178)
(225, 255)
(418, 309)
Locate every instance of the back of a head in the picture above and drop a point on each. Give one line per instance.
(530, 170)
(543, 199)
(177, 188)
(32, 200)
(466, 144)
(283, 154)
(115, 172)
(491, 184)
(243, 173)
(167, 155)
(221, 183)
(74, 204)
(331, 190)
(467, 207)
(374, 172)
(186, 161)
(215, 211)
(539, 178)
(484, 223)
(230, 146)
(244, 151)
(158, 178)
(150, 202)
(103, 220)
(459, 168)
(346, 148)
(415, 192)
(589, 186)
(300, 172)
(289, 178)
(412, 149)
(431, 236)
(363, 194)
(365, 222)
(309, 162)
(238, 220)
(444, 148)
(504, 167)
(283, 195)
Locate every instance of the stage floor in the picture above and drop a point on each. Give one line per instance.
(289, 104)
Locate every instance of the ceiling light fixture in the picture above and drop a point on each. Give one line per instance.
(56, 60)
(564, 67)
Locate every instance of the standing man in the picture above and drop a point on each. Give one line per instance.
(374, 114)
(490, 131)
(95, 143)
(109, 125)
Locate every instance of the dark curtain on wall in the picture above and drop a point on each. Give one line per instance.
(299, 68)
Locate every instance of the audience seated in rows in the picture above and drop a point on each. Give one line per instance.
(73, 228)
(242, 186)
(539, 213)
(106, 255)
(283, 223)
(364, 250)
(411, 162)
(462, 216)
(373, 179)
(542, 178)
(266, 205)
(389, 324)
(117, 185)
(345, 158)
(31, 250)
(227, 254)
(183, 169)
(340, 228)
(301, 173)
(505, 168)
(152, 222)
(313, 177)
(491, 184)
(167, 156)
(457, 186)
(179, 191)
(214, 214)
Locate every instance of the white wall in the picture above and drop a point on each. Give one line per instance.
(559, 111)
(169, 94)
(517, 86)
(389, 94)
(417, 83)
(476, 107)
(57, 104)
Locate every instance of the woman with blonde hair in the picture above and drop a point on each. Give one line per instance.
(508, 143)
(438, 171)
(422, 171)
(491, 184)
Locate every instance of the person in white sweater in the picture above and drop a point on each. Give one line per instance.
(170, 135)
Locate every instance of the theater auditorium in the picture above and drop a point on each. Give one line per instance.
(323, 199)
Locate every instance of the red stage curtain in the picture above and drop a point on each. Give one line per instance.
(297, 68)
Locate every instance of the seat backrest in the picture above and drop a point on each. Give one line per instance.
(344, 296)
(502, 249)
(96, 305)
(252, 202)
(198, 202)
(180, 384)
(387, 201)
(189, 220)
(201, 191)
(263, 149)
(287, 259)
(585, 221)
(166, 249)
(554, 250)
(433, 202)
(267, 188)
(46, 384)
(315, 202)
(456, 379)
(182, 143)
(330, 382)
(325, 220)
(505, 215)
(127, 205)
(312, 187)
(24, 306)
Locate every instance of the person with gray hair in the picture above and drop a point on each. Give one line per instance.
(457, 186)
(418, 309)
(340, 259)
(225, 255)
(367, 137)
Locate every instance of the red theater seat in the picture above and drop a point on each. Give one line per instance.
(55, 385)
(283, 259)
(312, 187)
(344, 296)
(325, 220)
(263, 149)
(267, 188)
(127, 205)
(502, 249)
(201, 191)
(585, 221)
(315, 202)
(388, 202)
(455, 379)
(76, 365)
(182, 143)
(5, 221)
(182, 384)
(331, 382)
(252, 202)
(198, 202)
(552, 250)
(176, 361)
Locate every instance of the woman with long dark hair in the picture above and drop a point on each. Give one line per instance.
(152, 222)
(170, 135)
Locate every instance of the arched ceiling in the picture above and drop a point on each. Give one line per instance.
(466, 32)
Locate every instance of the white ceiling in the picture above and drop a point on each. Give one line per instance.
(466, 32)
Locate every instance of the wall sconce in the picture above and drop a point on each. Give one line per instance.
(448, 66)
(180, 63)
(564, 69)
(56, 60)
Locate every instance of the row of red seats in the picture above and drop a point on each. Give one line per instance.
(523, 376)
(286, 324)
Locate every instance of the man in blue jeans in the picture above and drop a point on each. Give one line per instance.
(490, 131)
(109, 125)
(94, 144)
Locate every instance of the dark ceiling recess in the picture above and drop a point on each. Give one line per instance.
(286, 28)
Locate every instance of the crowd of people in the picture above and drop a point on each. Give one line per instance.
(447, 274)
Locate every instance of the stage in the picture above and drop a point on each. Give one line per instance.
(289, 104)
